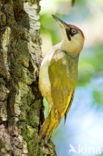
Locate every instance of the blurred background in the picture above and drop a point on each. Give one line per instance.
(83, 132)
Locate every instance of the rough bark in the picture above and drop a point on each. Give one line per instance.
(21, 110)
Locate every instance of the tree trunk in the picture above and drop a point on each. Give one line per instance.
(21, 109)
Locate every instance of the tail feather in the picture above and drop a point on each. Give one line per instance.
(45, 126)
(49, 125)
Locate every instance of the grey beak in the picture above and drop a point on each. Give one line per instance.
(59, 20)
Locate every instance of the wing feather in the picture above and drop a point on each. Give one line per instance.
(60, 78)
(69, 105)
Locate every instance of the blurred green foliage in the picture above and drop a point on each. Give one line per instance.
(48, 26)
(91, 64)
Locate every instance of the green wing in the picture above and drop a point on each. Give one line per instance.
(62, 85)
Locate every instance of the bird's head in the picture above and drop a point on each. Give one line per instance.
(73, 40)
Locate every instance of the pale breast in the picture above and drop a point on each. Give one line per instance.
(44, 82)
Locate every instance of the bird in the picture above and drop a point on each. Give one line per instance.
(58, 76)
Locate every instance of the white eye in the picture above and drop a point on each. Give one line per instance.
(73, 31)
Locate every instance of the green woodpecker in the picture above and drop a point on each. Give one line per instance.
(58, 76)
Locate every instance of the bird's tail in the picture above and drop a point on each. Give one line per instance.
(49, 125)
